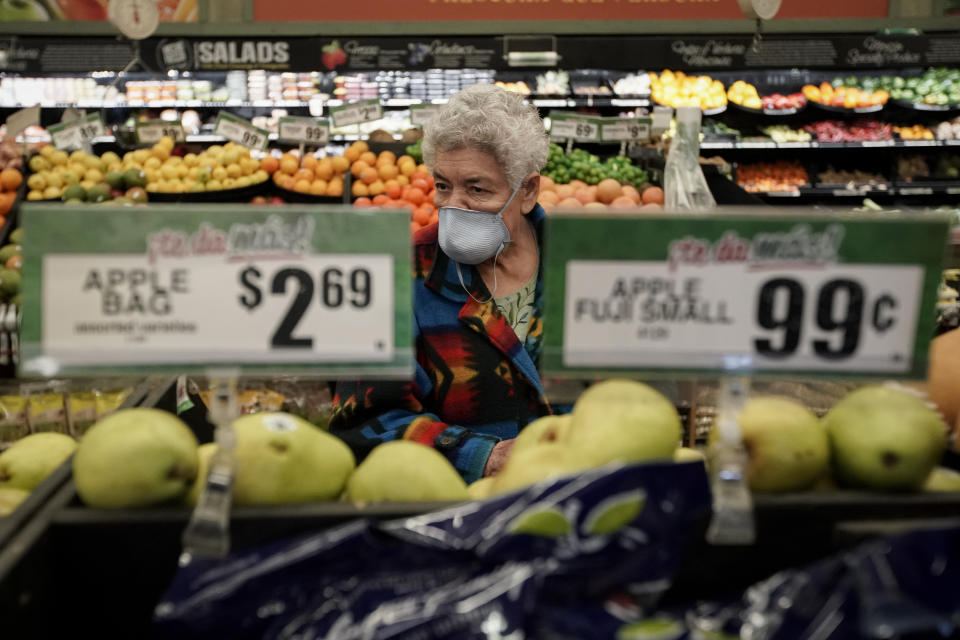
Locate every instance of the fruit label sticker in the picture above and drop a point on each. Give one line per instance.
(723, 293)
(279, 423)
(310, 131)
(240, 131)
(320, 289)
(421, 114)
(77, 133)
(569, 127)
(625, 129)
(356, 112)
(151, 131)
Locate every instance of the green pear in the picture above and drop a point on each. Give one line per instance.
(942, 479)
(282, 458)
(204, 453)
(786, 444)
(884, 438)
(481, 488)
(10, 499)
(542, 430)
(687, 454)
(405, 471)
(623, 420)
(532, 465)
(29, 460)
(134, 458)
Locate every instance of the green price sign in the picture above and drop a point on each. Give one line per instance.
(775, 293)
(325, 290)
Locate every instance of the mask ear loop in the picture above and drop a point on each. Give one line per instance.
(492, 293)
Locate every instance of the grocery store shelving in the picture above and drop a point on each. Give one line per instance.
(868, 191)
(717, 145)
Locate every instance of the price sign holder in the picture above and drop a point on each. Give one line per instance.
(77, 133)
(732, 294)
(421, 114)
(626, 131)
(356, 113)
(240, 131)
(324, 291)
(574, 128)
(151, 131)
(304, 131)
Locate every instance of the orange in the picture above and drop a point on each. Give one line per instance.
(421, 216)
(407, 168)
(422, 175)
(15, 262)
(393, 189)
(423, 169)
(387, 156)
(414, 227)
(358, 167)
(548, 197)
(10, 179)
(406, 158)
(388, 171)
(340, 164)
(309, 162)
(380, 199)
(362, 202)
(434, 218)
(403, 180)
(652, 195)
(303, 186)
(352, 153)
(631, 193)
(324, 169)
(376, 188)
(625, 202)
(369, 157)
(570, 202)
(415, 195)
(369, 175)
(547, 184)
(608, 190)
(361, 146)
(595, 206)
(270, 164)
(565, 191)
(359, 189)
(335, 187)
(303, 174)
(420, 183)
(578, 184)
(319, 188)
(289, 164)
(6, 202)
(584, 196)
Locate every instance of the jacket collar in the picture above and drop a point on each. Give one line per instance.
(484, 317)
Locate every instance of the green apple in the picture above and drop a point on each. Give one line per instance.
(787, 445)
(204, 453)
(284, 459)
(481, 488)
(535, 464)
(542, 430)
(942, 479)
(687, 454)
(403, 470)
(884, 438)
(10, 499)
(29, 460)
(623, 420)
(134, 458)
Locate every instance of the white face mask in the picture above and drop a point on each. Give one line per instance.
(470, 237)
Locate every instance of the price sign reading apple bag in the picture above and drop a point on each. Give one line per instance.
(356, 112)
(311, 131)
(152, 131)
(325, 290)
(240, 131)
(77, 133)
(784, 294)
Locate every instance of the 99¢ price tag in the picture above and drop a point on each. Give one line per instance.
(356, 112)
(311, 131)
(152, 131)
(240, 131)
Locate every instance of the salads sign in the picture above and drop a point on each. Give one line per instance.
(747, 294)
(320, 289)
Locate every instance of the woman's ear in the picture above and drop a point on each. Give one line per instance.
(530, 192)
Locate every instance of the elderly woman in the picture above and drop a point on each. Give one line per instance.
(477, 294)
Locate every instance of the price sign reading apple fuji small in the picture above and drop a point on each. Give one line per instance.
(152, 131)
(356, 112)
(748, 295)
(77, 133)
(240, 131)
(309, 131)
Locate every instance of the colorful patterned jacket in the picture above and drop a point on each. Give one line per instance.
(474, 383)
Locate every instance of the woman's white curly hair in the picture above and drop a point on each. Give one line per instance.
(490, 119)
